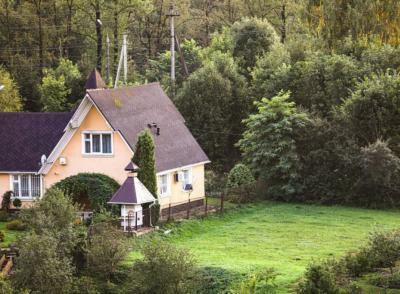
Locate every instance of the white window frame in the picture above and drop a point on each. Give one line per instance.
(181, 176)
(101, 133)
(26, 197)
(168, 191)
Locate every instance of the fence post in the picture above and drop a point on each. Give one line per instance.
(205, 207)
(188, 209)
(169, 211)
(222, 202)
(135, 220)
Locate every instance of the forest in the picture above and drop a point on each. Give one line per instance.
(306, 93)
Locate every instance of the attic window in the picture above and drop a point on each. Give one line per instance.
(97, 143)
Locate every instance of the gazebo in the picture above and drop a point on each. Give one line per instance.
(131, 197)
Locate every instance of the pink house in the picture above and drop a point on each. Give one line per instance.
(38, 150)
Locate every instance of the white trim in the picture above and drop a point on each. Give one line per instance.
(168, 192)
(30, 197)
(182, 167)
(83, 141)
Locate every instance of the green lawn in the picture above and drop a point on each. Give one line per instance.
(283, 236)
(11, 236)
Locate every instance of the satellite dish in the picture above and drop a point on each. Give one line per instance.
(43, 159)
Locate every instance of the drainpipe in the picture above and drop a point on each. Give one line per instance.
(150, 206)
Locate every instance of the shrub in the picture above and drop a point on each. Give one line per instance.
(6, 201)
(384, 249)
(260, 282)
(241, 183)
(164, 269)
(378, 185)
(215, 280)
(356, 264)
(318, 280)
(17, 202)
(106, 250)
(385, 280)
(2, 236)
(41, 266)
(16, 225)
(89, 189)
(3, 216)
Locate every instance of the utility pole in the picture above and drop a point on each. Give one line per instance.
(124, 45)
(122, 59)
(171, 14)
(108, 60)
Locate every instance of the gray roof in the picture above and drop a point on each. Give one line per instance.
(25, 137)
(132, 109)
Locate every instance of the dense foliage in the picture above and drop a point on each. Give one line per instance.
(90, 190)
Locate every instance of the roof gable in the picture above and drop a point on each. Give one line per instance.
(27, 136)
(131, 109)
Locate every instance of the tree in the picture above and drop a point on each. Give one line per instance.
(144, 157)
(41, 267)
(252, 37)
(268, 145)
(378, 185)
(213, 100)
(164, 269)
(318, 83)
(55, 216)
(57, 86)
(9, 94)
(239, 175)
(107, 249)
(373, 110)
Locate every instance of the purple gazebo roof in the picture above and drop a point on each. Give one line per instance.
(131, 167)
(132, 191)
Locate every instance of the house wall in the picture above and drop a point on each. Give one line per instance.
(177, 195)
(111, 165)
(4, 184)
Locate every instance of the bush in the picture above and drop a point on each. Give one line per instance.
(106, 250)
(4, 216)
(215, 280)
(2, 236)
(17, 202)
(318, 280)
(379, 184)
(91, 190)
(6, 201)
(385, 280)
(241, 184)
(16, 225)
(260, 282)
(164, 269)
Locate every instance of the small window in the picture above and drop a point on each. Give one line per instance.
(186, 178)
(163, 185)
(97, 143)
(26, 185)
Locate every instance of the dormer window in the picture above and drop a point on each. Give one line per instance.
(97, 143)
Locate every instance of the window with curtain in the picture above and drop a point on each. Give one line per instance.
(26, 185)
(97, 143)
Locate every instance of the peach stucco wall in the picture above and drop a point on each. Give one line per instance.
(4, 184)
(111, 165)
(177, 195)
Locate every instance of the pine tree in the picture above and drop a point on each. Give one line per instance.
(144, 157)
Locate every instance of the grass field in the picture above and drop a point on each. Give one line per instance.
(286, 237)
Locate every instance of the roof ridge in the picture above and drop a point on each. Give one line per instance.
(127, 87)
